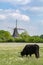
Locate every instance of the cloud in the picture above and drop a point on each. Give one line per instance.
(23, 2)
(40, 9)
(10, 15)
(33, 8)
(2, 17)
(20, 16)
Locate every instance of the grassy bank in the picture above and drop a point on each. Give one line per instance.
(10, 55)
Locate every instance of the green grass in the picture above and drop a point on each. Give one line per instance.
(10, 55)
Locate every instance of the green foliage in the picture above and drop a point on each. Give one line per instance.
(37, 39)
(25, 36)
(5, 36)
(11, 39)
(31, 39)
(19, 40)
(41, 36)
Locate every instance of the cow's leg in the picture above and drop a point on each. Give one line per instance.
(37, 55)
(26, 55)
(30, 55)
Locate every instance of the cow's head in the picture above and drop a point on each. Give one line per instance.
(22, 53)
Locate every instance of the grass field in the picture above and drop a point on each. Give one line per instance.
(10, 55)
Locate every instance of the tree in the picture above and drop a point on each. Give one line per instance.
(24, 36)
(5, 36)
(41, 36)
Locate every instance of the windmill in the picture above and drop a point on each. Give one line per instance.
(15, 32)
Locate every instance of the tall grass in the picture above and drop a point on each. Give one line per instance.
(10, 55)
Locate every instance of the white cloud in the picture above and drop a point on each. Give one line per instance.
(25, 18)
(40, 9)
(33, 8)
(20, 16)
(24, 1)
(17, 1)
(2, 17)
(17, 11)
(12, 15)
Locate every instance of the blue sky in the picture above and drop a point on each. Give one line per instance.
(29, 14)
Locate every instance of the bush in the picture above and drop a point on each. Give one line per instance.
(5, 36)
(19, 40)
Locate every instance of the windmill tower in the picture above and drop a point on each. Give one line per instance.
(15, 33)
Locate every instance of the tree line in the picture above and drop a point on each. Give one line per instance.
(5, 36)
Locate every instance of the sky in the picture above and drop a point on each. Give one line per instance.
(28, 13)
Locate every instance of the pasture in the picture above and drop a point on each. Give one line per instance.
(10, 55)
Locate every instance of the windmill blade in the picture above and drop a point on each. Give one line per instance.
(20, 29)
(11, 28)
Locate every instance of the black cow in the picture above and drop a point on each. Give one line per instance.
(30, 49)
